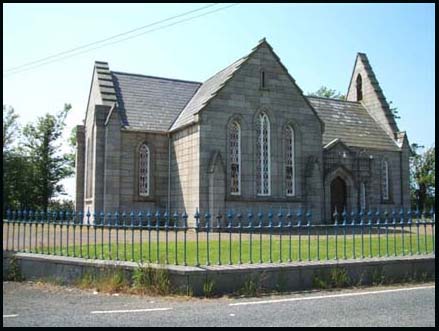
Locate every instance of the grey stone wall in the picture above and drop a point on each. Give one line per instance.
(79, 167)
(243, 99)
(373, 97)
(129, 192)
(112, 162)
(185, 163)
(369, 171)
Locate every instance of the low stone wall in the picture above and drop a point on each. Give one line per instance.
(234, 278)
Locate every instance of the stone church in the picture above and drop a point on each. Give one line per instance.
(247, 137)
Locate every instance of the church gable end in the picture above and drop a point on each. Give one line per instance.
(364, 88)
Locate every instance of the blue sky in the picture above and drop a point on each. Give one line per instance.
(316, 42)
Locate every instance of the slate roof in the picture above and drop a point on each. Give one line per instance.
(351, 123)
(151, 103)
(206, 92)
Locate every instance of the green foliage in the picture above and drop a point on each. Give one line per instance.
(326, 92)
(208, 288)
(250, 287)
(10, 126)
(150, 280)
(14, 272)
(61, 205)
(34, 166)
(422, 177)
(106, 280)
(394, 110)
(336, 278)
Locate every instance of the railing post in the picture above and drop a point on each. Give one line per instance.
(362, 232)
(386, 224)
(140, 227)
(132, 215)
(116, 228)
(290, 223)
(425, 213)
(176, 219)
(417, 229)
(229, 226)
(207, 226)
(250, 228)
(218, 227)
(369, 223)
(394, 230)
(197, 223)
(88, 233)
(336, 232)
(95, 224)
(270, 228)
(299, 225)
(353, 233)
(308, 225)
(344, 225)
(140, 217)
(124, 227)
(260, 225)
(148, 226)
(401, 215)
(378, 215)
(101, 225)
(109, 235)
(184, 216)
(166, 217)
(409, 223)
(30, 231)
(157, 215)
(239, 217)
(432, 221)
(280, 216)
(8, 217)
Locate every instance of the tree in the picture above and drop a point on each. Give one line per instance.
(325, 92)
(50, 166)
(10, 126)
(422, 177)
(394, 110)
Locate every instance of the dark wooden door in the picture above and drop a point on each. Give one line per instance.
(338, 197)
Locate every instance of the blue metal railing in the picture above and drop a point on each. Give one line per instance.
(231, 237)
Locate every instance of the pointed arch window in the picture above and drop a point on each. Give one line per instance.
(290, 162)
(144, 170)
(235, 158)
(385, 180)
(263, 166)
(359, 85)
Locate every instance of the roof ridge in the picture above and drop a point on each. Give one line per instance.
(333, 99)
(156, 77)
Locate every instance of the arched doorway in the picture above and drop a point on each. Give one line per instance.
(338, 196)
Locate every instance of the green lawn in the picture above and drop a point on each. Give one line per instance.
(322, 249)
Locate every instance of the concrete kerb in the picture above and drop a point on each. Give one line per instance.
(230, 278)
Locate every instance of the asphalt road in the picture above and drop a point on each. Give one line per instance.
(33, 304)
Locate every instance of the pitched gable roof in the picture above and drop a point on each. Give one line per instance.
(362, 58)
(206, 92)
(351, 123)
(214, 84)
(151, 103)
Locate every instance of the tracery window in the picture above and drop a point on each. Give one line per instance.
(289, 162)
(263, 166)
(144, 170)
(235, 158)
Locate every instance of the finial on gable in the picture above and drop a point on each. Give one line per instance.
(263, 40)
